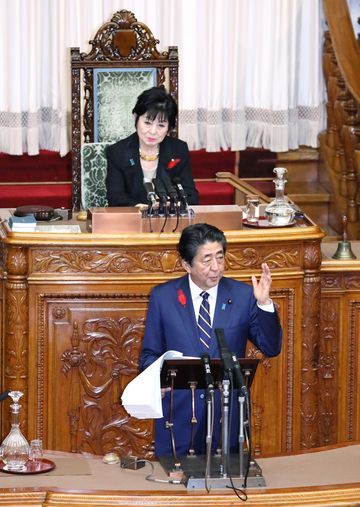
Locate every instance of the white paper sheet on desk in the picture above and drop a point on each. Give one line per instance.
(142, 396)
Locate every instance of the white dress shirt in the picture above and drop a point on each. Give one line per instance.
(197, 300)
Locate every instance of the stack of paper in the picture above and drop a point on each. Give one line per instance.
(142, 396)
(22, 224)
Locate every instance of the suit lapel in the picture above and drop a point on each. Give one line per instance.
(132, 159)
(187, 314)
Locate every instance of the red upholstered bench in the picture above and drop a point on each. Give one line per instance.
(46, 178)
(211, 192)
(205, 165)
(40, 179)
(57, 196)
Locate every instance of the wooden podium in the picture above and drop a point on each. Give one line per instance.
(74, 308)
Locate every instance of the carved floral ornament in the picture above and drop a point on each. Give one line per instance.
(165, 261)
(124, 37)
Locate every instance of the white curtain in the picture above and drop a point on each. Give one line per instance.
(250, 70)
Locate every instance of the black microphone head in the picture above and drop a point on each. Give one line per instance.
(149, 187)
(159, 187)
(177, 182)
(205, 356)
(220, 337)
(169, 186)
(150, 192)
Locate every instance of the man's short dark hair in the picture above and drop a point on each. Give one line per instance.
(193, 236)
(156, 101)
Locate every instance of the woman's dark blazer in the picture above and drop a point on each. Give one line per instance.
(124, 180)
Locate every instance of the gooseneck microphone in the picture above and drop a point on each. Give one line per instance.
(180, 189)
(171, 193)
(150, 193)
(239, 374)
(209, 381)
(161, 192)
(224, 351)
(181, 194)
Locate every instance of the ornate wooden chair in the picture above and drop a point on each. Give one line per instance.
(105, 84)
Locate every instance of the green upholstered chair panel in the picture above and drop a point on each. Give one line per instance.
(116, 92)
(93, 174)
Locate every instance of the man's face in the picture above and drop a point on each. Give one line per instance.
(207, 266)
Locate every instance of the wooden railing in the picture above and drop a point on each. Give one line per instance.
(340, 144)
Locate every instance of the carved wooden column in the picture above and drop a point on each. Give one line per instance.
(16, 315)
(310, 347)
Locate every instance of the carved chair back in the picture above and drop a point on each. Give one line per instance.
(105, 83)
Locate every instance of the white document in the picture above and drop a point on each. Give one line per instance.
(142, 396)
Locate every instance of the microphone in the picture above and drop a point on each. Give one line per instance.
(205, 358)
(161, 192)
(239, 374)
(150, 193)
(180, 189)
(181, 193)
(160, 189)
(171, 193)
(224, 351)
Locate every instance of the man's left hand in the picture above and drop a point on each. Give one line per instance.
(262, 287)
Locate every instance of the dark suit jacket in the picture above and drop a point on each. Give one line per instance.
(170, 325)
(124, 180)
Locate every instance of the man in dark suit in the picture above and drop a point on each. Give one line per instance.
(242, 311)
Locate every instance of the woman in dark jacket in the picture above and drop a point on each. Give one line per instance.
(148, 153)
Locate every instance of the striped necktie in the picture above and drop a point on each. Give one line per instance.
(204, 321)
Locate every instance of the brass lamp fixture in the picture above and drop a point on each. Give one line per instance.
(343, 251)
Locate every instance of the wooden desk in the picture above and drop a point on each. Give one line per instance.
(74, 314)
(328, 477)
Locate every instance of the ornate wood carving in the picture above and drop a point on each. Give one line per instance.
(96, 361)
(105, 261)
(310, 347)
(16, 310)
(328, 361)
(128, 260)
(353, 371)
(250, 257)
(88, 305)
(123, 42)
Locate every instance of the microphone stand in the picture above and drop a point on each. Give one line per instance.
(243, 393)
(209, 432)
(241, 399)
(225, 427)
(194, 421)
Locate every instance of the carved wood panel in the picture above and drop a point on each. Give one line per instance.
(78, 313)
(87, 352)
(87, 349)
(272, 393)
(339, 363)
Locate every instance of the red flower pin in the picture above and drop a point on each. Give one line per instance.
(181, 297)
(173, 162)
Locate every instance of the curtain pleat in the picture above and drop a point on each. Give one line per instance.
(250, 70)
